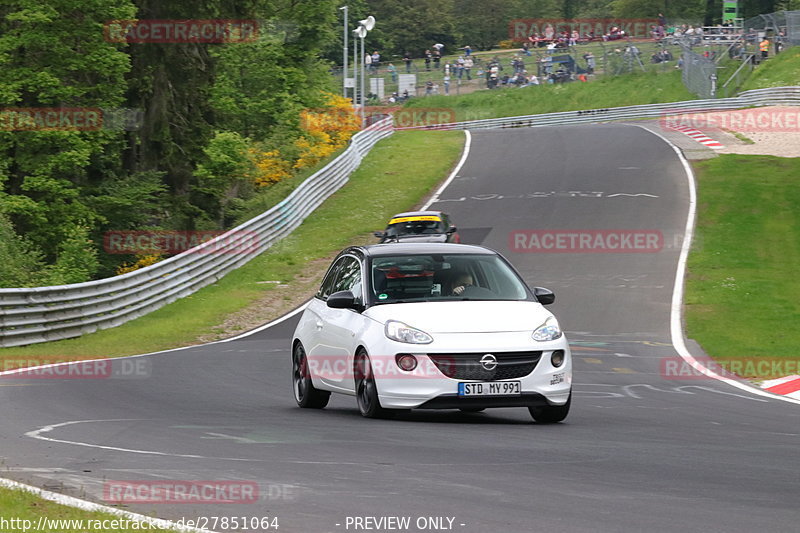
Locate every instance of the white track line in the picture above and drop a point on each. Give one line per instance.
(84, 505)
(464, 155)
(676, 313)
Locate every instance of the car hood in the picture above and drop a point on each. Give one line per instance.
(463, 316)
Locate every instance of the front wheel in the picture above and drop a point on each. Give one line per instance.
(551, 414)
(366, 389)
(305, 394)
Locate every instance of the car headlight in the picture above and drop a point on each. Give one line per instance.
(549, 331)
(397, 331)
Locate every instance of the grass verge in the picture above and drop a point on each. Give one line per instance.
(779, 71)
(394, 177)
(22, 510)
(605, 91)
(743, 293)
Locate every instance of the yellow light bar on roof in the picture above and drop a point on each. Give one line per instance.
(419, 218)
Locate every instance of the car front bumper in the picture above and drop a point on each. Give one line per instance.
(428, 388)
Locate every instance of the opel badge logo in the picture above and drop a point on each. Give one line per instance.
(488, 362)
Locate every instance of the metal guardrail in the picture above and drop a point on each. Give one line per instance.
(41, 314)
(753, 98)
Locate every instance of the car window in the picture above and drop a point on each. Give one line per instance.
(430, 277)
(348, 277)
(327, 283)
(416, 225)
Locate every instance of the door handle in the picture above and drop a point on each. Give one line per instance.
(319, 324)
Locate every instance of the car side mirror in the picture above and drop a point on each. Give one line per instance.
(342, 300)
(379, 234)
(545, 296)
(452, 229)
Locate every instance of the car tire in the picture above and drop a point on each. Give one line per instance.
(369, 404)
(305, 394)
(551, 414)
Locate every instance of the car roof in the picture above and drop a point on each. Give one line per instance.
(418, 214)
(399, 248)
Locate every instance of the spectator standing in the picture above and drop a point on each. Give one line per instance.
(428, 57)
(467, 51)
(408, 61)
(590, 62)
(368, 62)
(376, 61)
(447, 83)
(460, 67)
(662, 24)
(764, 47)
(778, 42)
(437, 57)
(468, 64)
(392, 70)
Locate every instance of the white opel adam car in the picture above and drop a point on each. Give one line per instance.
(431, 326)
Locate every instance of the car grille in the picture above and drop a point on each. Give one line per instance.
(510, 365)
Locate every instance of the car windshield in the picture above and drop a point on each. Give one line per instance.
(434, 277)
(418, 225)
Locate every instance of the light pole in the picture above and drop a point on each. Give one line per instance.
(355, 69)
(345, 54)
(364, 26)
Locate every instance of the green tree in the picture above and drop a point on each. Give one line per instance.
(22, 262)
(483, 23)
(54, 55)
(76, 261)
(223, 177)
(416, 25)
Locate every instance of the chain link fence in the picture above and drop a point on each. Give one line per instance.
(716, 61)
(781, 26)
(598, 58)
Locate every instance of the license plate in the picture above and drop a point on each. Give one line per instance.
(490, 388)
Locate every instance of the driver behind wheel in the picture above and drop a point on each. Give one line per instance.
(461, 282)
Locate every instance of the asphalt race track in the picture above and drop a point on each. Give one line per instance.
(640, 452)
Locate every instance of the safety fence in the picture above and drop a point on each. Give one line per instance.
(757, 98)
(41, 314)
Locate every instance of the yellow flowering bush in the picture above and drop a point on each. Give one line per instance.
(269, 167)
(327, 130)
(142, 261)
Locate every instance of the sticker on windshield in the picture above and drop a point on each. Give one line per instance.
(419, 218)
(382, 296)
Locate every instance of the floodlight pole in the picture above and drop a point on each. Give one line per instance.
(355, 69)
(345, 54)
(363, 76)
